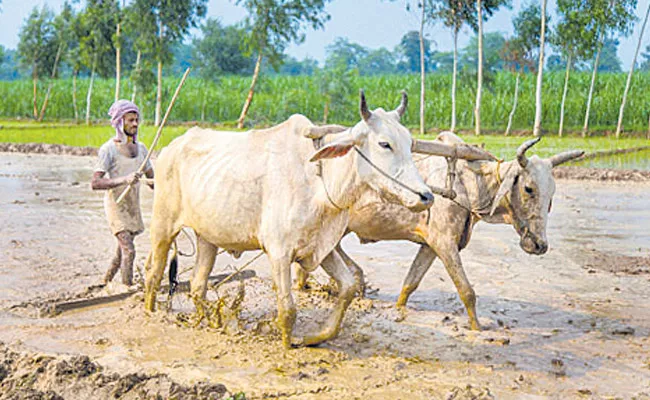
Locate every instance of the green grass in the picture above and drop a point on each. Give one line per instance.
(96, 135)
(278, 97)
(81, 135)
(506, 147)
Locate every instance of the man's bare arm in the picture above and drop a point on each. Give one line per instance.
(149, 174)
(98, 181)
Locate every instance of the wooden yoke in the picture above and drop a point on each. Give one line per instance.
(461, 151)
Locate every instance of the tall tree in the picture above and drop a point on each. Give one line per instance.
(455, 14)
(162, 24)
(36, 41)
(481, 6)
(219, 50)
(97, 27)
(575, 39)
(409, 52)
(335, 86)
(645, 64)
(609, 61)
(378, 62)
(479, 84)
(522, 52)
(611, 18)
(344, 52)
(494, 44)
(117, 40)
(63, 38)
(537, 127)
(275, 24)
(629, 76)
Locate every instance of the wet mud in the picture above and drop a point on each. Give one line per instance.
(573, 323)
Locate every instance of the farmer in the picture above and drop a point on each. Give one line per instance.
(119, 160)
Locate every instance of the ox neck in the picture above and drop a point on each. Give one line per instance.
(340, 180)
(493, 173)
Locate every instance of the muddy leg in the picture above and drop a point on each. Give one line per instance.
(125, 239)
(206, 253)
(281, 270)
(334, 265)
(450, 256)
(301, 279)
(355, 268)
(419, 268)
(160, 243)
(115, 265)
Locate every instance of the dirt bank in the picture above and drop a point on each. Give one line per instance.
(32, 376)
(601, 174)
(568, 324)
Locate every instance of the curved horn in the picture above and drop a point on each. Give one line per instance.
(565, 156)
(401, 109)
(363, 107)
(521, 151)
(317, 132)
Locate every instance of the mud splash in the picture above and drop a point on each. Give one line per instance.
(553, 328)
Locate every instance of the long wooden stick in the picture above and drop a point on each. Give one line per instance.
(155, 139)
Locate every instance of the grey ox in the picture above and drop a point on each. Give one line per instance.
(264, 189)
(518, 193)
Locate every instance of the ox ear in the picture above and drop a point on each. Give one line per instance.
(506, 187)
(565, 157)
(335, 149)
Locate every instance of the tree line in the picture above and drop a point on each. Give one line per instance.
(106, 37)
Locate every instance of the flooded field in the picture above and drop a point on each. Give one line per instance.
(573, 323)
(638, 160)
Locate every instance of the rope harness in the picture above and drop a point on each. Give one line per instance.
(318, 143)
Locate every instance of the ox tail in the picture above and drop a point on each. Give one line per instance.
(173, 271)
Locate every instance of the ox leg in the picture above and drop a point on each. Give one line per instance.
(451, 258)
(301, 278)
(160, 243)
(281, 270)
(355, 268)
(206, 253)
(419, 268)
(335, 266)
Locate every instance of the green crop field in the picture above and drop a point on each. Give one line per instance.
(96, 135)
(277, 97)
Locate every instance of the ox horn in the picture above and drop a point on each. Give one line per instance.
(363, 107)
(317, 132)
(565, 156)
(401, 109)
(521, 151)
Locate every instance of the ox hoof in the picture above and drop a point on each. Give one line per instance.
(475, 326)
(401, 314)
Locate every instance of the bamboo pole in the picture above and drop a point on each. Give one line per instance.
(158, 133)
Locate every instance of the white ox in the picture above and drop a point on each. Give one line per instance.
(262, 189)
(518, 193)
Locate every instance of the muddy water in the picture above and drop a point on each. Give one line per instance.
(556, 325)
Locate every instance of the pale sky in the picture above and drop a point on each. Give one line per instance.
(371, 23)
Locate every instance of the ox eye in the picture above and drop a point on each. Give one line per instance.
(385, 145)
(528, 190)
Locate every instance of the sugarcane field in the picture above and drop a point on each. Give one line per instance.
(324, 199)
